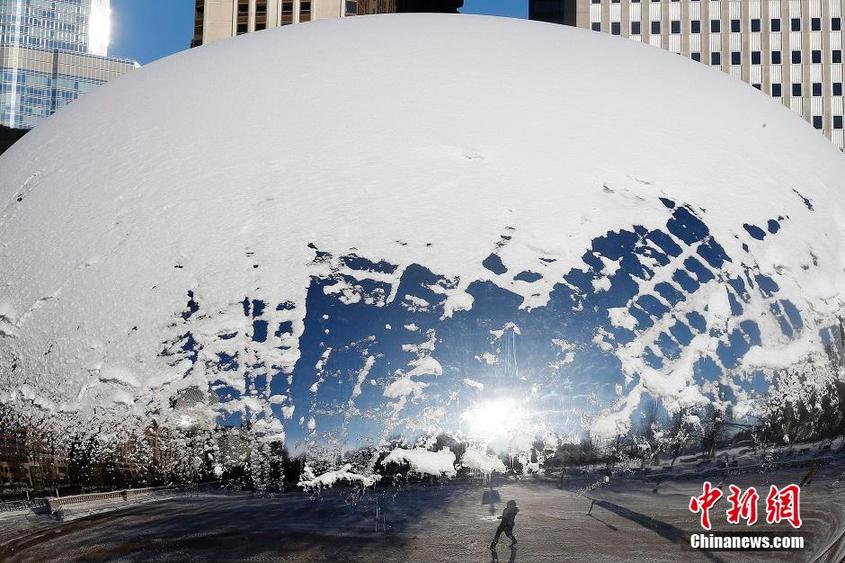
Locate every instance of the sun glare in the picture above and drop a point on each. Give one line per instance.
(99, 28)
(494, 419)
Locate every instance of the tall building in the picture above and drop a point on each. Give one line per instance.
(552, 11)
(789, 49)
(441, 6)
(52, 52)
(220, 19)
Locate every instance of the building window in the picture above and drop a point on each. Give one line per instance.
(696, 56)
(615, 28)
(715, 59)
(817, 89)
(816, 24)
(837, 88)
(796, 89)
(836, 24)
(775, 57)
(777, 90)
(635, 28)
(755, 24)
(757, 86)
(734, 26)
(755, 57)
(595, 26)
(260, 15)
(655, 28)
(715, 26)
(676, 26)
(736, 58)
(817, 121)
(775, 24)
(836, 56)
(796, 24)
(695, 26)
(796, 57)
(816, 56)
(837, 122)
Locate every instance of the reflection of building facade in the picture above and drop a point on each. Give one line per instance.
(52, 52)
(220, 19)
(789, 50)
(28, 461)
(233, 445)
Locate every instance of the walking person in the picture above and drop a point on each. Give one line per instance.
(808, 477)
(506, 525)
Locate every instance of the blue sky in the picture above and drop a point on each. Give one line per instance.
(146, 30)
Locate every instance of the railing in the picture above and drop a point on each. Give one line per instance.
(53, 504)
(18, 505)
(57, 503)
(681, 473)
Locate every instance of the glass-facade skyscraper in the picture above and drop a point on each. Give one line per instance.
(52, 52)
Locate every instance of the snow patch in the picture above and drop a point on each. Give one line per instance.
(423, 461)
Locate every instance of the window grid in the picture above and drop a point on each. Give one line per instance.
(790, 50)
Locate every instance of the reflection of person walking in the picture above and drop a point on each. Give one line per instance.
(808, 478)
(506, 525)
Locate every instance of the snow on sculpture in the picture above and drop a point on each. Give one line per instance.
(329, 478)
(424, 462)
(377, 248)
(482, 462)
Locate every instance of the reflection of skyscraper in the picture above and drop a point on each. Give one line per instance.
(792, 50)
(51, 52)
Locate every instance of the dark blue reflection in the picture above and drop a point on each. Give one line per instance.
(494, 264)
(511, 351)
(755, 231)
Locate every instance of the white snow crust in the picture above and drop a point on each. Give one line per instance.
(481, 461)
(424, 462)
(330, 478)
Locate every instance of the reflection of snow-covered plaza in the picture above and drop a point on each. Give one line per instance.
(450, 522)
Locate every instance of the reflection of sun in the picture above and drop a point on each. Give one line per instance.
(493, 419)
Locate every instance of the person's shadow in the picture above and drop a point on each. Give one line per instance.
(491, 497)
(494, 557)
